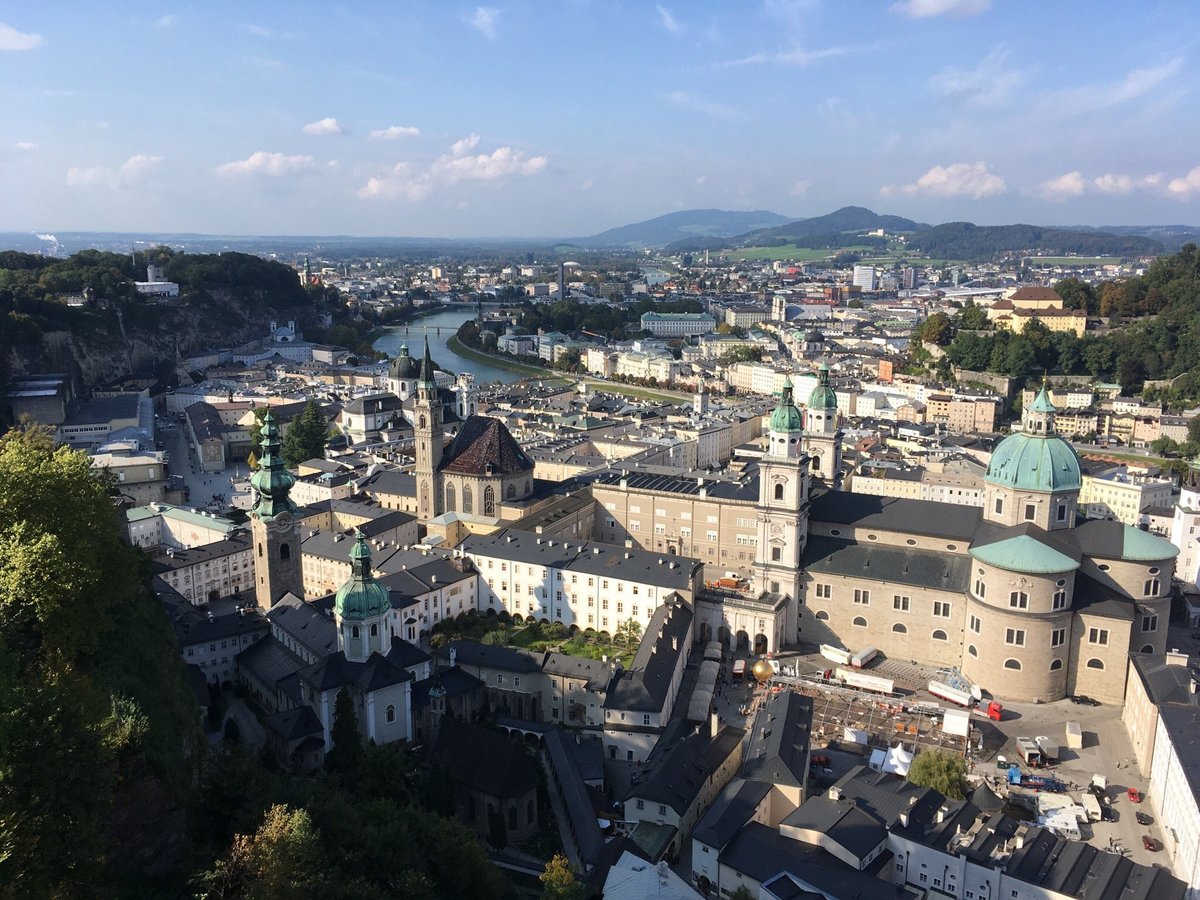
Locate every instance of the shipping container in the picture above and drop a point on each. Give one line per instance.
(1074, 736)
(865, 681)
(836, 654)
(863, 656)
(953, 694)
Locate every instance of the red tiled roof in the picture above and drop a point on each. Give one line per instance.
(483, 442)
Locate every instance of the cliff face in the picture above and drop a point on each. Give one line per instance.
(106, 345)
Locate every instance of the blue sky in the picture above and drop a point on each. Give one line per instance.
(539, 118)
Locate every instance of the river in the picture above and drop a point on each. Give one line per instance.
(442, 326)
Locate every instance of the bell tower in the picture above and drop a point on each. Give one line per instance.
(821, 431)
(273, 527)
(783, 489)
(428, 436)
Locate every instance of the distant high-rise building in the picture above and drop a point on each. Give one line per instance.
(864, 277)
(909, 278)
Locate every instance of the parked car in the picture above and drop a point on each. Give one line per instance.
(1151, 844)
(1135, 796)
(1084, 700)
(1144, 818)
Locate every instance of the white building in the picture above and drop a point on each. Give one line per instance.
(864, 277)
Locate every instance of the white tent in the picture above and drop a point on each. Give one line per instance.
(894, 760)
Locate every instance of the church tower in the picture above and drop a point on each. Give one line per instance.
(273, 525)
(821, 433)
(783, 487)
(428, 436)
(361, 608)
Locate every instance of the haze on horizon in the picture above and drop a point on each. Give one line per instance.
(523, 119)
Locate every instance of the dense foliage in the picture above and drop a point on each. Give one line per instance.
(945, 772)
(964, 240)
(307, 436)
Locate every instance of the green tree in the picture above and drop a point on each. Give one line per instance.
(1164, 445)
(559, 881)
(346, 753)
(307, 436)
(973, 317)
(945, 772)
(282, 860)
(628, 633)
(937, 329)
(1078, 294)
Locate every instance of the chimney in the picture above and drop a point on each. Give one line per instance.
(1176, 657)
(674, 643)
(595, 551)
(714, 724)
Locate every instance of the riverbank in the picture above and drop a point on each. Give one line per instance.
(425, 311)
(458, 348)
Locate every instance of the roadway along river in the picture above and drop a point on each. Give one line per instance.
(442, 326)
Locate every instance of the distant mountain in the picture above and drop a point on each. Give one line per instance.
(848, 218)
(688, 223)
(963, 240)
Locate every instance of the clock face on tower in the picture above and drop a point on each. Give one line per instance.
(284, 519)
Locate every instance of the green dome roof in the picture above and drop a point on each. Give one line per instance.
(822, 396)
(362, 597)
(1026, 554)
(1035, 462)
(787, 416)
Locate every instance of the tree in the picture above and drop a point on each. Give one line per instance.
(937, 329)
(1078, 294)
(346, 753)
(945, 772)
(628, 633)
(307, 436)
(558, 881)
(1164, 445)
(283, 859)
(855, 304)
(972, 317)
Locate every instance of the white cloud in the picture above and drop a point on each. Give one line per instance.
(328, 125)
(1113, 184)
(404, 182)
(11, 39)
(587, 185)
(264, 163)
(25, 145)
(988, 84)
(1063, 187)
(700, 105)
(131, 173)
(394, 132)
(484, 19)
(924, 9)
(800, 188)
(164, 21)
(668, 21)
(1186, 187)
(797, 57)
(1091, 98)
(955, 180)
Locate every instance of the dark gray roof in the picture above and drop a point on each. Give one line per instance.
(842, 822)
(676, 773)
(1098, 599)
(102, 409)
(643, 687)
(1165, 682)
(291, 724)
(335, 671)
(581, 815)
(902, 565)
(473, 653)
(400, 484)
(925, 517)
(306, 623)
(595, 672)
(181, 559)
(455, 682)
(777, 751)
(486, 760)
(886, 796)
(269, 661)
(730, 812)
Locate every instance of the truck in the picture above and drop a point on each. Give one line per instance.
(865, 681)
(1092, 804)
(1074, 736)
(1029, 752)
(836, 654)
(863, 656)
(739, 670)
(953, 694)
(1049, 748)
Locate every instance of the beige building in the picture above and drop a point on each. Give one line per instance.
(141, 475)
(1123, 495)
(213, 570)
(1037, 304)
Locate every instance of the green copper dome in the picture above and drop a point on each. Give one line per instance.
(822, 396)
(362, 597)
(272, 482)
(787, 416)
(1038, 459)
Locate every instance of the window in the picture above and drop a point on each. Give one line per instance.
(468, 500)
(824, 591)
(779, 492)
(939, 635)
(662, 809)
(450, 503)
(980, 588)
(1012, 664)
(1094, 663)
(489, 501)
(1097, 636)
(999, 505)
(776, 554)
(641, 804)
(510, 493)
(285, 551)
(390, 715)
(645, 718)
(822, 616)
(1062, 512)
(1149, 623)
(499, 678)
(862, 597)
(374, 631)
(1149, 589)
(941, 609)
(1030, 512)
(900, 628)
(975, 624)
(900, 604)
(971, 650)
(1014, 637)
(1018, 600)
(354, 632)
(859, 622)
(1058, 637)
(1055, 665)
(1059, 600)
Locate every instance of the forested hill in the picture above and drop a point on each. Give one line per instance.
(226, 299)
(685, 224)
(963, 240)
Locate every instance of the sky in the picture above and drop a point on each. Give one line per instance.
(559, 118)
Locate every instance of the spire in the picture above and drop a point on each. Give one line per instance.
(272, 482)
(786, 417)
(427, 362)
(361, 597)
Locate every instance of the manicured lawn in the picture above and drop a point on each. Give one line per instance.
(787, 251)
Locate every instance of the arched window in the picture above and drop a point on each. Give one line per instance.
(260, 550)
(468, 500)
(374, 631)
(1012, 664)
(1055, 665)
(859, 621)
(971, 649)
(450, 505)
(354, 632)
(1147, 649)
(822, 616)
(511, 491)
(390, 715)
(489, 501)
(422, 425)
(285, 551)
(512, 818)
(779, 492)
(1094, 663)
(939, 635)
(900, 628)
